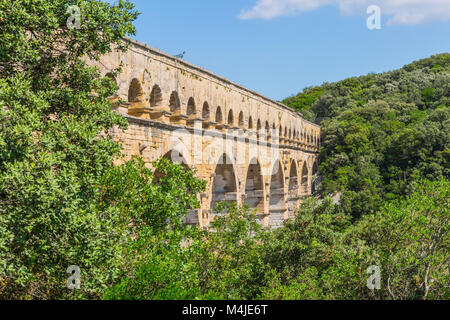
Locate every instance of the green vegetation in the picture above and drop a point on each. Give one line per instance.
(52, 153)
(63, 202)
(318, 255)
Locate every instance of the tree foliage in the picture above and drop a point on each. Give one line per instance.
(319, 255)
(382, 132)
(55, 146)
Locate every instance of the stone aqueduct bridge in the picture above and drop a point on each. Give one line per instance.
(247, 147)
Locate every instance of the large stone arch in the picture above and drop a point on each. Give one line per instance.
(241, 120)
(224, 185)
(206, 115)
(277, 202)
(156, 101)
(156, 97)
(191, 113)
(191, 110)
(174, 103)
(135, 92)
(230, 118)
(315, 176)
(174, 107)
(206, 112)
(267, 131)
(136, 98)
(258, 129)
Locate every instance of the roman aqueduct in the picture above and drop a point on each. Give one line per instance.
(248, 148)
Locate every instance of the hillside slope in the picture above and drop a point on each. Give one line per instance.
(382, 132)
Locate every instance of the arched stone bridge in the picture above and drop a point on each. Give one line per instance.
(248, 148)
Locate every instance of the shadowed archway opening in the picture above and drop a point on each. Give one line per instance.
(304, 182)
(293, 188)
(135, 92)
(175, 106)
(155, 98)
(254, 187)
(206, 115)
(224, 187)
(277, 205)
(219, 117)
(258, 129)
(316, 180)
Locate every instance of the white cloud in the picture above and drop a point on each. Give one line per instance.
(399, 11)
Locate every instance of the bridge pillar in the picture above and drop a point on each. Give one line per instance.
(139, 110)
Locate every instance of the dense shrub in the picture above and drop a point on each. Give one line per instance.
(382, 132)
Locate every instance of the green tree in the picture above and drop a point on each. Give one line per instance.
(157, 263)
(55, 146)
(149, 201)
(224, 262)
(319, 255)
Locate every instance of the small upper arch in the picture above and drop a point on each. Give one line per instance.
(241, 121)
(219, 115)
(191, 109)
(230, 119)
(156, 96)
(174, 102)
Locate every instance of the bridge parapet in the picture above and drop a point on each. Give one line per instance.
(247, 147)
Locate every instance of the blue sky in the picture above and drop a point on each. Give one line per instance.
(278, 49)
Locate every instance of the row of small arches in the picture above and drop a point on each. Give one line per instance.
(136, 95)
